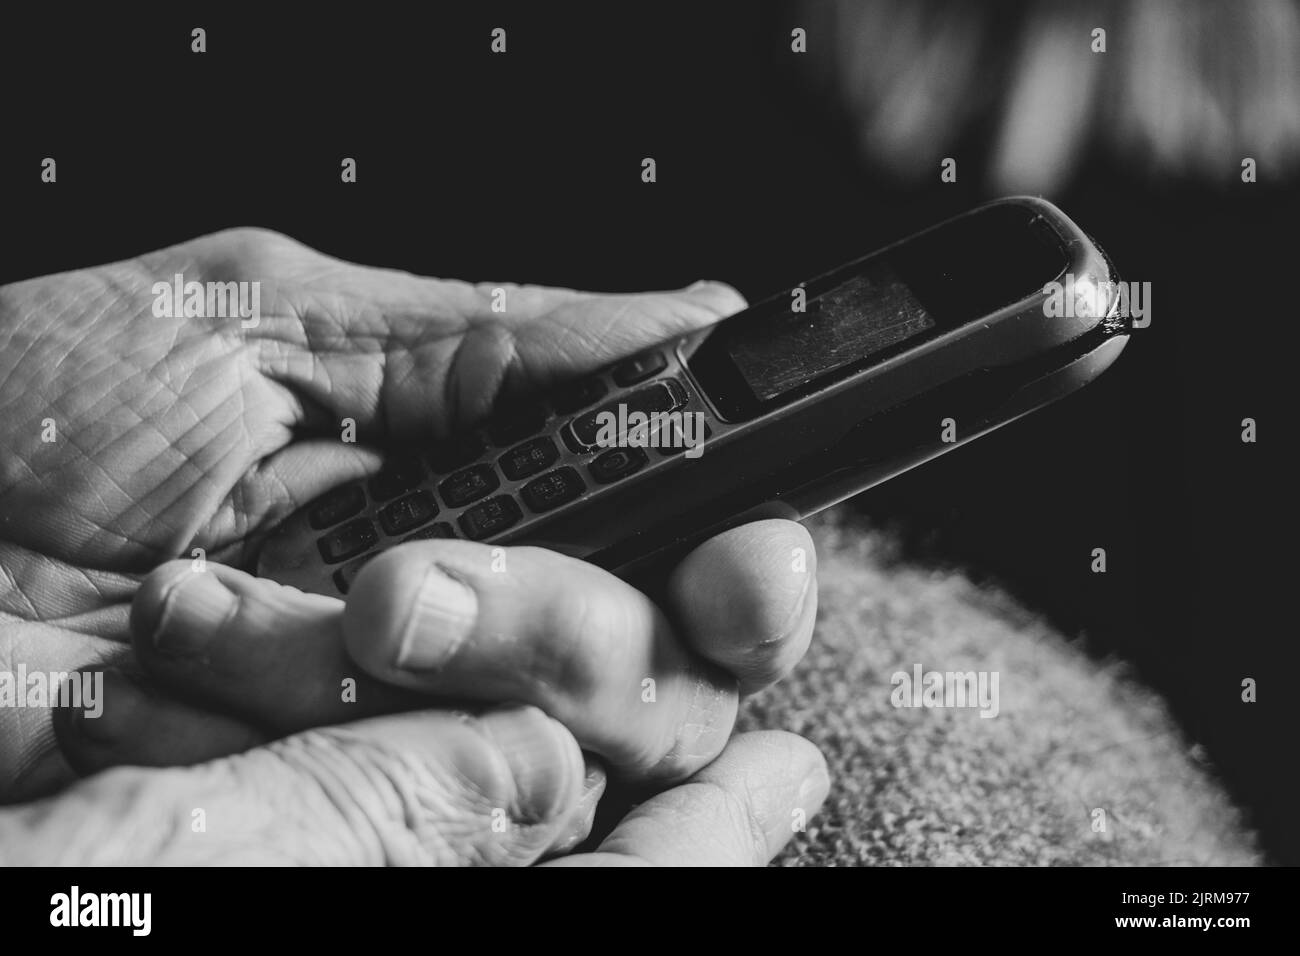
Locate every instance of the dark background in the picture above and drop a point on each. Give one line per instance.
(526, 168)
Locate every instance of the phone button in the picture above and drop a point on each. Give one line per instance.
(450, 455)
(333, 506)
(528, 459)
(469, 485)
(345, 575)
(439, 529)
(407, 513)
(347, 541)
(576, 396)
(550, 491)
(617, 463)
(665, 396)
(396, 477)
(516, 424)
(639, 368)
(495, 514)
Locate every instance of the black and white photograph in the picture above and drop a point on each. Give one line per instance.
(796, 434)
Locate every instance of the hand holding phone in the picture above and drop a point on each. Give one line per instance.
(793, 405)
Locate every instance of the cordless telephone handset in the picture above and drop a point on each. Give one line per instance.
(783, 409)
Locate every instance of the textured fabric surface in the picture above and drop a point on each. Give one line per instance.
(946, 786)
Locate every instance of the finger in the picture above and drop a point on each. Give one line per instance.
(254, 649)
(130, 724)
(554, 331)
(739, 811)
(457, 619)
(563, 335)
(747, 600)
(431, 787)
(581, 331)
(450, 350)
(440, 618)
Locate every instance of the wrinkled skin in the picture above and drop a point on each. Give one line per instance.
(181, 433)
(128, 439)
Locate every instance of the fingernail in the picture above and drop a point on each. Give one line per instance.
(544, 761)
(442, 617)
(194, 609)
(584, 816)
(594, 779)
(111, 716)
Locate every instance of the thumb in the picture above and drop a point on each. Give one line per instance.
(543, 337)
(583, 332)
(433, 787)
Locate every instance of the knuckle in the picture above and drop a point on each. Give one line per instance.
(584, 640)
(381, 804)
(385, 804)
(258, 240)
(154, 600)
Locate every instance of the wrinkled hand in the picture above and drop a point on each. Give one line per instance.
(506, 787)
(134, 439)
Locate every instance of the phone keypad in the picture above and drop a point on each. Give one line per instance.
(347, 541)
(617, 463)
(664, 396)
(528, 459)
(406, 513)
(494, 515)
(469, 485)
(335, 506)
(550, 491)
(477, 494)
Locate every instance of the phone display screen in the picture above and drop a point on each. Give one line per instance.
(853, 321)
(868, 310)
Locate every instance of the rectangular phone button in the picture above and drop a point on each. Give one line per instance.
(528, 458)
(639, 368)
(333, 506)
(495, 514)
(617, 463)
(550, 491)
(407, 513)
(347, 541)
(469, 485)
(665, 396)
